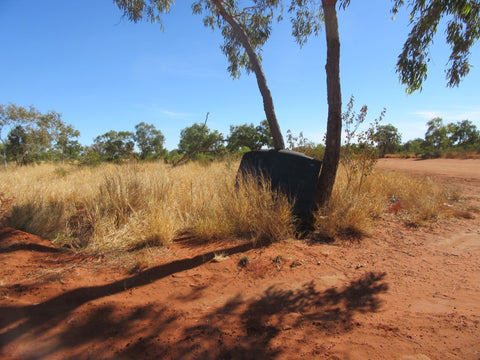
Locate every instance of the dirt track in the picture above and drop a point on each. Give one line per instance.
(462, 170)
(401, 294)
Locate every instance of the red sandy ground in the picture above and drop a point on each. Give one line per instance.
(401, 294)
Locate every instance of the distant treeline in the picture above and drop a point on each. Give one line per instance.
(32, 136)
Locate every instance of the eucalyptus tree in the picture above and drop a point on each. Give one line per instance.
(245, 30)
(12, 116)
(265, 134)
(44, 134)
(388, 139)
(465, 135)
(308, 20)
(16, 145)
(436, 137)
(149, 140)
(463, 30)
(66, 143)
(115, 145)
(198, 139)
(244, 136)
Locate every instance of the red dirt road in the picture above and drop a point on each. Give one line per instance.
(401, 294)
(463, 170)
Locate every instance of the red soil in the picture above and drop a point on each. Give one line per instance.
(401, 294)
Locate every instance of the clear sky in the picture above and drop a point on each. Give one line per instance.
(101, 72)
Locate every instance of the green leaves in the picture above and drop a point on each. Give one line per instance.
(149, 140)
(199, 139)
(308, 19)
(40, 136)
(115, 146)
(388, 139)
(255, 21)
(149, 10)
(462, 31)
(249, 136)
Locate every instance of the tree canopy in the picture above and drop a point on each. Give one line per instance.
(35, 136)
(462, 31)
(249, 136)
(115, 145)
(388, 139)
(440, 137)
(464, 134)
(199, 139)
(149, 140)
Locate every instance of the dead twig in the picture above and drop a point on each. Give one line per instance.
(404, 252)
(184, 276)
(408, 339)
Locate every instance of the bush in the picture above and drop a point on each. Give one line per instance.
(90, 158)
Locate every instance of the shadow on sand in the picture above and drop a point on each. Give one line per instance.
(242, 328)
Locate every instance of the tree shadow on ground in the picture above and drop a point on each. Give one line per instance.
(243, 328)
(252, 329)
(21, 320)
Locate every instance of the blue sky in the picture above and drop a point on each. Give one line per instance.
(101, 72)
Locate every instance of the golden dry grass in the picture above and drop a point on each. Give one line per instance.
(123, 207)
(130, 206)
(5, 205)
(352, 213)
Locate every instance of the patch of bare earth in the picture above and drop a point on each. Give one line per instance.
(401, 294)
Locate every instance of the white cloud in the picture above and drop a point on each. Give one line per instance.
(174, 114)
(163, 68)
(160, 112)
(472, 115)
(429, 115)
(450, 115)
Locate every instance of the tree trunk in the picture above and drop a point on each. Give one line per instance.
(4, 142)
(334, 125)
(278, 142)
(4, 157)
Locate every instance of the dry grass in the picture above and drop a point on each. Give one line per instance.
(462, 155)
(351, 214)
(213, 207)
(219, 257)
(5, 206)
(131, 206)
(44, 276)
(124, 207)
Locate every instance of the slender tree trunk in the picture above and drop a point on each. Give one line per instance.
(278, 142)
(4, 151)
(334, 125)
